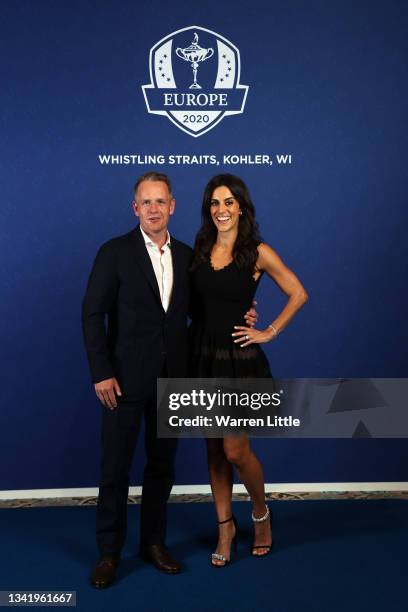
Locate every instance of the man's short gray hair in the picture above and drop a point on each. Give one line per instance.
(154, 176)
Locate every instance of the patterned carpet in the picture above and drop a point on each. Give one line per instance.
(197, 498)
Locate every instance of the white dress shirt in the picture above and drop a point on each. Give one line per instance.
(162, 266)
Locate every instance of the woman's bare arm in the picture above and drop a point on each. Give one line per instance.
(270, 263)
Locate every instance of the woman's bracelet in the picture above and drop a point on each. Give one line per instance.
(273, 328)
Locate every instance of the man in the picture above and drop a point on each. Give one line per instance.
(140, 282)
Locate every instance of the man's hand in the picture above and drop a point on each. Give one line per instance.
(251, 317)
(105, 390)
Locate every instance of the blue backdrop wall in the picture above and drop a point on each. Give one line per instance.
(327, 85)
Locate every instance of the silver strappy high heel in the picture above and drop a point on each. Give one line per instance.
(218, 556)
(268, 515)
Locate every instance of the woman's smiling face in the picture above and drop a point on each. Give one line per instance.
(224, 209)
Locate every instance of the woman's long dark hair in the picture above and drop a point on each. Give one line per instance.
(245, 251)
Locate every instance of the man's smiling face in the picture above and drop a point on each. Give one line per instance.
(153, 204)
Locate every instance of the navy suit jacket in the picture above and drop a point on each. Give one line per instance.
(128, 334)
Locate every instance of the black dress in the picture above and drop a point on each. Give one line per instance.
(220, 299)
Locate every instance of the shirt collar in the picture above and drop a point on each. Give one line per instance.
(149, 242)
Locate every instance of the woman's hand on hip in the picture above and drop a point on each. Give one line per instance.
(244, 336)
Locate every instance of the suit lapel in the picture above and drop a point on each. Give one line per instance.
(144, 262)
(176, 261)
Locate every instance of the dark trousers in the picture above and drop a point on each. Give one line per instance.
(120, 429)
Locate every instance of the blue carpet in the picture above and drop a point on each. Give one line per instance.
(328, 556)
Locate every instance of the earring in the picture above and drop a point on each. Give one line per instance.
(240, 212)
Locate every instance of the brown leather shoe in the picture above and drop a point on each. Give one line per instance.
(159, 556)
(104, 572)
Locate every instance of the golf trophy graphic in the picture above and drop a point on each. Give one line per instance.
(195, 105)
(194, 54)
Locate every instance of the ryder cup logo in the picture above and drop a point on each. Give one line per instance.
(194, 76)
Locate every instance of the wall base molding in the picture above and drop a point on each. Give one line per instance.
(202, 493)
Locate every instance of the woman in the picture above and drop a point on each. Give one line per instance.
(229, 260)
